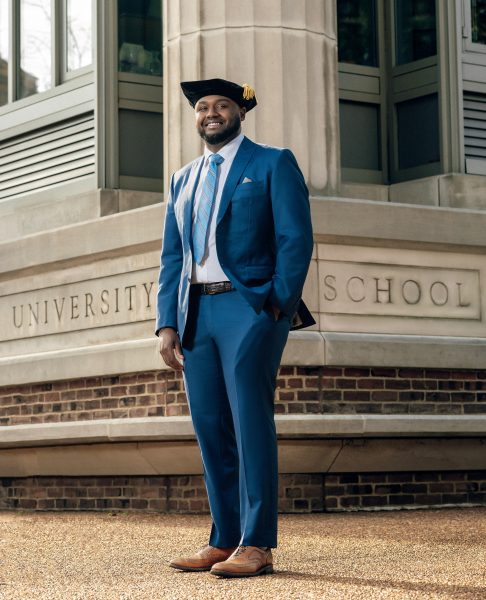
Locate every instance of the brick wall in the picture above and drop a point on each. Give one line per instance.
(298, 493)
(300, 390)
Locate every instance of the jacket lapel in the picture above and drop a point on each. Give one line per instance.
(186, 201)
(245, 152)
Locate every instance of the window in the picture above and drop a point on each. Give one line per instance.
(78, 34)
(4, 45)
(140, 123)
(415, 30)
(478, 21)
(35, 47)
(140, 36)
(418, 132)
(388, 89)
(51, 40)
(357, 43)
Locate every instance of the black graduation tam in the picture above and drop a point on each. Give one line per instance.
(243, 95)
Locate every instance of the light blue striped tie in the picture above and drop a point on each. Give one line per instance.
(204, 209)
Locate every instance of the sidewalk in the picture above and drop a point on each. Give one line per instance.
(96, 556)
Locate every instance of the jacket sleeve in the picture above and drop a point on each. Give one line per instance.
(170, 269)
(293, 233)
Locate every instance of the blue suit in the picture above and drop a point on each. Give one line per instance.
(231, 342)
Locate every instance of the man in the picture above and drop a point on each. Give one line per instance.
(236, 250)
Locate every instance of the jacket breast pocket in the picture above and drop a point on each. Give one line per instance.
(250, 188)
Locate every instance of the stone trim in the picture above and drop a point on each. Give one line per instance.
(304, 348)
(288, 427)
(334, 220)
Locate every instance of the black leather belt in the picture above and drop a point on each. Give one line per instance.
(218, 287)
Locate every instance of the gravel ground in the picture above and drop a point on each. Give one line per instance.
(98, 556)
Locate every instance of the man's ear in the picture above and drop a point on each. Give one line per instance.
(242, 113)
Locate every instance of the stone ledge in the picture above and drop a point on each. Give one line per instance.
(304, 348)
(334, 220)
(377, 350)
(171, 429)
(398, 225)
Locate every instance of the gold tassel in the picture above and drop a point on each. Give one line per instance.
(248, 92)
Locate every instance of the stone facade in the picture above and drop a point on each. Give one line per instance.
(396, 283)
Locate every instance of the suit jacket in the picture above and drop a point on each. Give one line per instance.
(263, 234)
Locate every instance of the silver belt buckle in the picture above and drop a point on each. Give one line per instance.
(216, 288)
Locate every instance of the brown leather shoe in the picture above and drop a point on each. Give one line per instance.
(203, 560)
(246, 561)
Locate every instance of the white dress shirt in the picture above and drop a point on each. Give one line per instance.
(210, 271)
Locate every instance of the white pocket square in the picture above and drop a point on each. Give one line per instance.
(247, 180)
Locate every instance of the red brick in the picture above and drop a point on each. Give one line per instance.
(383, 372)
(466, 374)
(441, 487)
(411, 373)
(196, 505)
(369, 501)
(286, 371)
(345, 383)
(156, 388)
(295, 383)
(136, 389)
(328, 383)
(370, 384)
(411, 396)
(424, 384)
(137, 412)
(397, 384)
(28, 503)
(332, 372)
(158, 504)
(128, 379)
(143, 377)
(308, 370)
(453, 476)
(437, 374)
(356, 396)
(428, 499)
(305, 395)
(356, 372)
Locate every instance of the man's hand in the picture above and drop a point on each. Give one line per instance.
(170, 348)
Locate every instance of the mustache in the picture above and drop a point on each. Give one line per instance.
(221, 136)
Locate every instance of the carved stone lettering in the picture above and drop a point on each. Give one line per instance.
(398, 290)
(113, 300)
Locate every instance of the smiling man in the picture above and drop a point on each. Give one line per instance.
(236, 250)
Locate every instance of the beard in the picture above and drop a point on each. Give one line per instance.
(217, 138)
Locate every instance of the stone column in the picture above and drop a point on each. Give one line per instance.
(285, 49)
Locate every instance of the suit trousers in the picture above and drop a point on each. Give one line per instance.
(231, 359)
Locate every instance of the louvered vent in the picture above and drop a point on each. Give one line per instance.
(47, 156)
(475, 132)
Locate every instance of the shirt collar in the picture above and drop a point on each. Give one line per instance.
(228, 151)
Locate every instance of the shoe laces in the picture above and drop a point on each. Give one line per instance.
(240, 550)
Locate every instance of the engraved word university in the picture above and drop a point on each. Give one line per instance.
(112, 300)
(401, 291)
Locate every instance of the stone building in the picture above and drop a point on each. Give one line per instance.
(383, 402)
